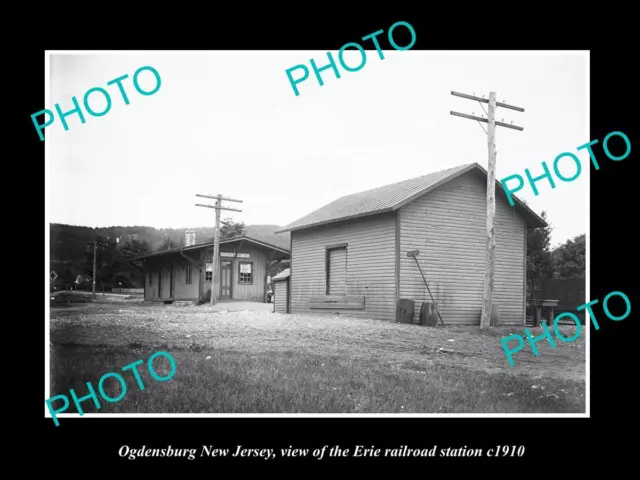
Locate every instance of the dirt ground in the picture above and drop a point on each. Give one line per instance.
(254, 328)
(71, 297)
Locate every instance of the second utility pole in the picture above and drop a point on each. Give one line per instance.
(487, 300)
(93, 280)
(216, 254)
(215, 282)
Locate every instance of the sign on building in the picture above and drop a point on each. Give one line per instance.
(231, 254)
(245, 268)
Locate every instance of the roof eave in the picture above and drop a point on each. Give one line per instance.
(257, 242)
(210, 244)
(533, 219)
(157, 254)
(337, 220)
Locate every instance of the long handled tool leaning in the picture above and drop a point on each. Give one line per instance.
(414, 254)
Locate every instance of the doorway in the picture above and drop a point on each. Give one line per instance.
(226, 278)
(337, 271)
(171, 281)
(165, 282)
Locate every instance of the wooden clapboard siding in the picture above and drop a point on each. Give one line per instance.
(448, 227)
(280, 299)
(184, 290)
(181, 290)
(370, 264)
(253, 292)
(343, 302)
(150, 290)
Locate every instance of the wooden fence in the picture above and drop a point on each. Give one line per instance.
(570, 294)
(127, 290)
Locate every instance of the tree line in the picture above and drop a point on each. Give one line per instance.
(72, 248)
(566, 261)
(72, 251)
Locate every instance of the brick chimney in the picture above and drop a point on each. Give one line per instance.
(190, 238)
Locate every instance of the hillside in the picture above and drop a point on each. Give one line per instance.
(266, 234)
(69, 242)
(71, 250)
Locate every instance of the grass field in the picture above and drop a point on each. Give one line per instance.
(254, 361)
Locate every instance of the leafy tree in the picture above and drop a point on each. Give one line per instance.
(128, 276)
(134, 248)
(170, 243)
(106, 261)
(67, 276)
(539, 256)
(569, 258)
(231, 229)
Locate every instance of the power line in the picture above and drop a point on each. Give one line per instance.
(216, 239)
(487, 299)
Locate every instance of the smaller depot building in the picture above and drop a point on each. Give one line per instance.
(186, 273)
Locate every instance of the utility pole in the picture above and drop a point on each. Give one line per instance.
(93, 280)
(487, 298)
(97, 243)
(215, 282)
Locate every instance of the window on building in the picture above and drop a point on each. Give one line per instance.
(187, 270)
(150, 279)
(245, 273)
(336, 270)
(208, 274)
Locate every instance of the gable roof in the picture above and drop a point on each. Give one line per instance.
(282, 275)
(391, 197)
(210, 244)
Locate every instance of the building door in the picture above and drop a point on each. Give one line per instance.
(160, 282)
(337, 271)
(165, 287)
(226, 277)
(171, 281)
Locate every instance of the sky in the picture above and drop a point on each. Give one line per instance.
(229, 123)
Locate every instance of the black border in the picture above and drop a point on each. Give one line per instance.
(555, 446)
